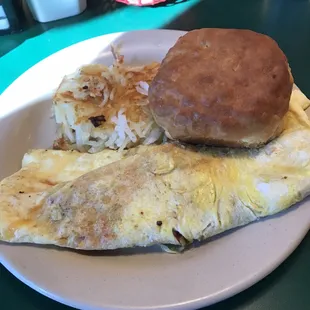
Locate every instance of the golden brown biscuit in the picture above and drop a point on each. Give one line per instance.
(225, 87)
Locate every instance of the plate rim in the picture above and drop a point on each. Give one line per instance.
(197, 303)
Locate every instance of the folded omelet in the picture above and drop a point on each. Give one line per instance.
(160, 194)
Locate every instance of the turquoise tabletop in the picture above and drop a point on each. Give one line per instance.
(287, 21)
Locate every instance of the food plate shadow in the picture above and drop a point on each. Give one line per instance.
(124, 252)
(102, 253)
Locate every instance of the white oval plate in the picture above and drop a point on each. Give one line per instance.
(129, 279)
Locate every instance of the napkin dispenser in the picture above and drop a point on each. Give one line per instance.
(50, 10)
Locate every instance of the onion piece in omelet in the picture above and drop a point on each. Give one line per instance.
(160, 194)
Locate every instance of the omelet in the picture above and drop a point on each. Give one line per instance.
(42, 169)
(169, 194)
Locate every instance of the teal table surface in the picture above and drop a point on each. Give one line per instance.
(287, 21)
